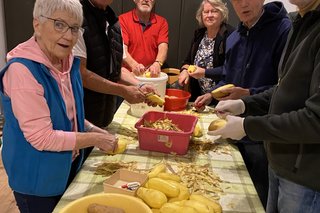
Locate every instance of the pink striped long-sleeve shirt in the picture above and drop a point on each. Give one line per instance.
(29, 105)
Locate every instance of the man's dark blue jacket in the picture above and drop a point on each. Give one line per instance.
(252, 55)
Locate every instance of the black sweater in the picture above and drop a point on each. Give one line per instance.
(102, 51)
(291, 127)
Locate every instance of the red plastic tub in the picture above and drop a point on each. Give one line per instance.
(163, 140)
(176, 99)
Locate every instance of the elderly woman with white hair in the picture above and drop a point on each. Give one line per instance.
(208, 46)
(42, 96)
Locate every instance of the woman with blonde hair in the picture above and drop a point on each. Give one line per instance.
(208, 45)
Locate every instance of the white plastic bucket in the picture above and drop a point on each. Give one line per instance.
(159, 83)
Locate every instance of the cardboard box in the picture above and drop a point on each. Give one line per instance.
(121, 177)
(165, 141)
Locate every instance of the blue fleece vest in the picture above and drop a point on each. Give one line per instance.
(30, 171)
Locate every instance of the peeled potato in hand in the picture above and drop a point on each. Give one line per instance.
(217, 93)
(155, 99)
(147, 74)
(192, 68)
(217, 124)
(122, 146)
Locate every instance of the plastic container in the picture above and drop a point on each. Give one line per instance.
(176, 100)
(159, 83)
(163, 140)
(128, 203)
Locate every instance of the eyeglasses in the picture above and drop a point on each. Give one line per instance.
(206, 12)
(62, 27)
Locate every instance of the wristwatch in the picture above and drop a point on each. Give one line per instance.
(160, 63)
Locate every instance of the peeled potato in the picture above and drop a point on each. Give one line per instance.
(155, 99)
(197, 132)
(217, 93)
(217, 124)
(122, 146)
(192, 68)
(147, 74)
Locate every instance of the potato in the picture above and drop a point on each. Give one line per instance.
(169, 176)
(153, 198)
(197, 132)
(217, 93)
(192, 68)
(211, 203)
(169, 189)
(155, 99)
(147, 74)
(122, 146)
(98, 208)
(217, 124)
(157, 169)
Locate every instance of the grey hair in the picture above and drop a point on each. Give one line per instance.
(48, 7)
(218, 4)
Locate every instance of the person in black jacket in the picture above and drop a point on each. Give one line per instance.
(287, 118)
(101, 51)
(208, 45)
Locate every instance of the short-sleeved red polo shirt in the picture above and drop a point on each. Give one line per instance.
(143, 45)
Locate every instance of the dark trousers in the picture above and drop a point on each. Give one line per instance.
(118, 103)
(87, 152)
(35, 204)
(254, 156)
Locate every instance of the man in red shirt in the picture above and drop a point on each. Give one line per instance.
(145, 37)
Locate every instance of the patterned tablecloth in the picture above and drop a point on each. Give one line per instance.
(238, 192)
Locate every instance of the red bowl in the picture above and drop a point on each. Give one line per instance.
(176, 99)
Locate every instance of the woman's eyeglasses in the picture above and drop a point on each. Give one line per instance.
(62, 27)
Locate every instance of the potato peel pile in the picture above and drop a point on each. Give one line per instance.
(108, 168)
(200, 179)
(163, 124)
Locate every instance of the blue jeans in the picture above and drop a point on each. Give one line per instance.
(288, 197)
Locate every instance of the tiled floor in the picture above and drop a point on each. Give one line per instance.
(7, 202)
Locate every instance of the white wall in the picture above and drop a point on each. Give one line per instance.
(290, 7)
(2, 37)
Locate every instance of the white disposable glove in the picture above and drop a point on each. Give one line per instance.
(233, 107)
(233, 129)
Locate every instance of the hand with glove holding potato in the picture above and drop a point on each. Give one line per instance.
(234, 127)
